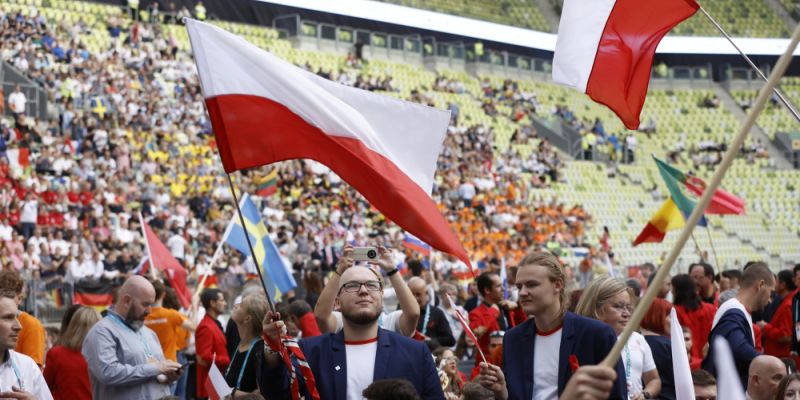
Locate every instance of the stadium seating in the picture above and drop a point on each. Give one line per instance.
(624, 202)
(520, 13)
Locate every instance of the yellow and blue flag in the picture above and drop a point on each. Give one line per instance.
(274, 269)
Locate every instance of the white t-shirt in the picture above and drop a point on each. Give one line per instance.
(176, 244)
(30, 210)
(30, 376)
(17, 101)
(545, 365)
(637, 353)
(361, 361)
(390, 321)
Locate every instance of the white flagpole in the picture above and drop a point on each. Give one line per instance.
(702, 204)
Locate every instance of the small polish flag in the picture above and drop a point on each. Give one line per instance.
(215, 384)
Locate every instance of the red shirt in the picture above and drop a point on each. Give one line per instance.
(308, 325)
(778, 328)
(485, 316)
(209, 339)
(699, 323)
(67, 374)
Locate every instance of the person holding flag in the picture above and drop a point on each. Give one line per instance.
(542, 354)
(494, 313)
(346, 362)
(210, 338)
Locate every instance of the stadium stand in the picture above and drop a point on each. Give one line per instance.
(524, 14)
(578, 198)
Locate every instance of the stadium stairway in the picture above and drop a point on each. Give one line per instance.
(782, 13)
(756, 133)
(549, 14)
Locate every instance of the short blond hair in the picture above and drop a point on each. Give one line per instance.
(598, 293)
(555, 271)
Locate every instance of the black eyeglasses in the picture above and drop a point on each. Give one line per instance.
(355, 286)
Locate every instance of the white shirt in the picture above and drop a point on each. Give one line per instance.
(390, 321)
(17, 102)
(637, 352)
(176, 244)
(361, 361)
(30, 376)
(30, 210)
(545, 362)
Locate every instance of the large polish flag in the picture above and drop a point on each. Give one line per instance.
(605, 48)
(265, 110)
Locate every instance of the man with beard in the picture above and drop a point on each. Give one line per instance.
(124, 357)
(734, 323)
(346, 362)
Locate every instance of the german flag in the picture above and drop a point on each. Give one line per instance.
(94, 294)
(268, 185)
(57, 298)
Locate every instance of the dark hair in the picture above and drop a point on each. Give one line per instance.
(484, 281)
(209, 295)
(701, 377)
(732, 274)
(416, 267)
(249, 396)
(171, 300)
(391, 389)
(708, 270)
(68, 316)
(796, 269)
(648, 265)
(781, 393)
(787, 278)
(159, 287)
(684, 292)
(574, 298)
(474, 391)
(755, 272)
(313, 282)
(299, 307)
(635, 286)
(11, 280)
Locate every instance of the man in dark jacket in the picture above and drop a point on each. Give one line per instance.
(433, 327)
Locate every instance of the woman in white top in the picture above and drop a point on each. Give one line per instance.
(608, 300)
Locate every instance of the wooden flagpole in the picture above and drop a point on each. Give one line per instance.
(700, 208)
(750, 62)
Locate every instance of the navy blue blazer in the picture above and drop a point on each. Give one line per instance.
(397, 357)
(588, 339)
(733, 326)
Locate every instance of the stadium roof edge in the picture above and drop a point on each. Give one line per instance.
(483, 30)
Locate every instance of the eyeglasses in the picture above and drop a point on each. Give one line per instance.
(355, 286)
(621, 308)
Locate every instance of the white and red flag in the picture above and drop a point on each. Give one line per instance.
(605, 48)
(264, 110)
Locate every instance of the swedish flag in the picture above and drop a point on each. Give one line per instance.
(275, 270)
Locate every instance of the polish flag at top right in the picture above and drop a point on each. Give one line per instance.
(605, 49)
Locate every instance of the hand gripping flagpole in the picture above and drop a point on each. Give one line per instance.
(700, 208)
(249, 244)
(752, 65)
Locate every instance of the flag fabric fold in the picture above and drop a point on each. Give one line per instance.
(667, 218)
(216, 385)
(722, 202)
(728, 385)
(681, 371)
(275, 269)
(264, 110)
(163, 260)
(411, 242)
(605, 49)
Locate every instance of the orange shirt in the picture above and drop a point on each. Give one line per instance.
(164, 323)
(31, 340)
